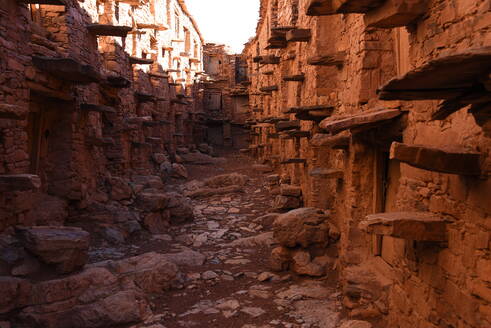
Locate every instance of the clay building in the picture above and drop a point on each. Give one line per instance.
(91, 90)
(226, 97)
(379, 111)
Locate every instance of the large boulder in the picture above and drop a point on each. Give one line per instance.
(157, 222)
(302, 227)
(286, 202)
(180, 208)
(179, 171)
(64, 247)
(227, 180)
(152, 201)
(120, 188)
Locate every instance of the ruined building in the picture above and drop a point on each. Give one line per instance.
(379, 111)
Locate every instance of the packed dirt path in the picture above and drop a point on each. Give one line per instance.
(224, 259)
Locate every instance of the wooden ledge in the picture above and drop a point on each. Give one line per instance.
(13, 112)
(442, 78)
(326, 173)
(298, 35)
(19, 182)
(333, 7)
(443, 160)
(365, 120)
(419, 226)
(67, 69)
(336, 59)
(269, 88)
(294, 161)
(294, 78)
(287, 125)
(140, 61)
(118, 82)
(339, 141)
(144, 97)
(109, 30)
(270, 60)
(97, 108)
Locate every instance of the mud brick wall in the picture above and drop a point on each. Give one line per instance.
(393, 279)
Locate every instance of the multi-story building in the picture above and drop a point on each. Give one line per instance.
(379, 111)
(92, 89)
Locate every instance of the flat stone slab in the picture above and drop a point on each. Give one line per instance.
(420, 226)
(337, 124)
(67, 69)
(334, 59)
(109, 30)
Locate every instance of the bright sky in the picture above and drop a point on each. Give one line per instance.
(230, 22)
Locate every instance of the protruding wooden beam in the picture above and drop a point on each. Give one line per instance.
(451, 160)
(19, 182)
(158, 75)
(418, 226)
(326, 173)
(339, 141)
(294, 78)
(367, 119)
(298, 134)
(97, 108)
(335, 59)
(298, 35)
(144, 97)
(287, 125)
(109, 30)
(67, 69)
(270, 60)
(140, 61)
(269, 88)
(158, 27)
(13, 112)
(257, 59)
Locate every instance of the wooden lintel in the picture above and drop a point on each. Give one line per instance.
(418, 226)
(335, 59)
(367, 119)
(451, 160)
(109, 30)
(19, 182)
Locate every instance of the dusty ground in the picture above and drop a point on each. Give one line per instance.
(234, 286)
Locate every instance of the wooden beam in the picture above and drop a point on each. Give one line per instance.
(269, 88)
(327, 173)
(144, 97)
(294, 78)
(367, 119)
(335, 59)
(67, 69)
(109, 30)
(332, 7)
(294, 161)
(19, 182)
(140, 61)
(287, 125)
(444, 160)
(419, 226)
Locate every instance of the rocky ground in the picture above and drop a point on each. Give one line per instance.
(213, 271)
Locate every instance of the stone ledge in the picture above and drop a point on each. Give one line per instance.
(109, 30)
(19, 182)
(419, 226)
(364, 120)
(327, 173)
(335, 59)
(67, 69)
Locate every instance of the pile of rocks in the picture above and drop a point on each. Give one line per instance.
(304, 236)
(288, 196)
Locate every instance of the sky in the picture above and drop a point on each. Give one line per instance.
(230, 22)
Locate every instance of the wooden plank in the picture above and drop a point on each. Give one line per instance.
(335, 125)
(419, 226)
(395, 13)
(109, 30)
(287, 125)
(13, 112)
(442, 78)
(451, 160)
(269, 88)
(19, 182)
(67, 69)
(335, 59)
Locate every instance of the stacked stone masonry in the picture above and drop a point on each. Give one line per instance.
(378, 111)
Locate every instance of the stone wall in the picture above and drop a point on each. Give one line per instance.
(89, 91)
(392, 102)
